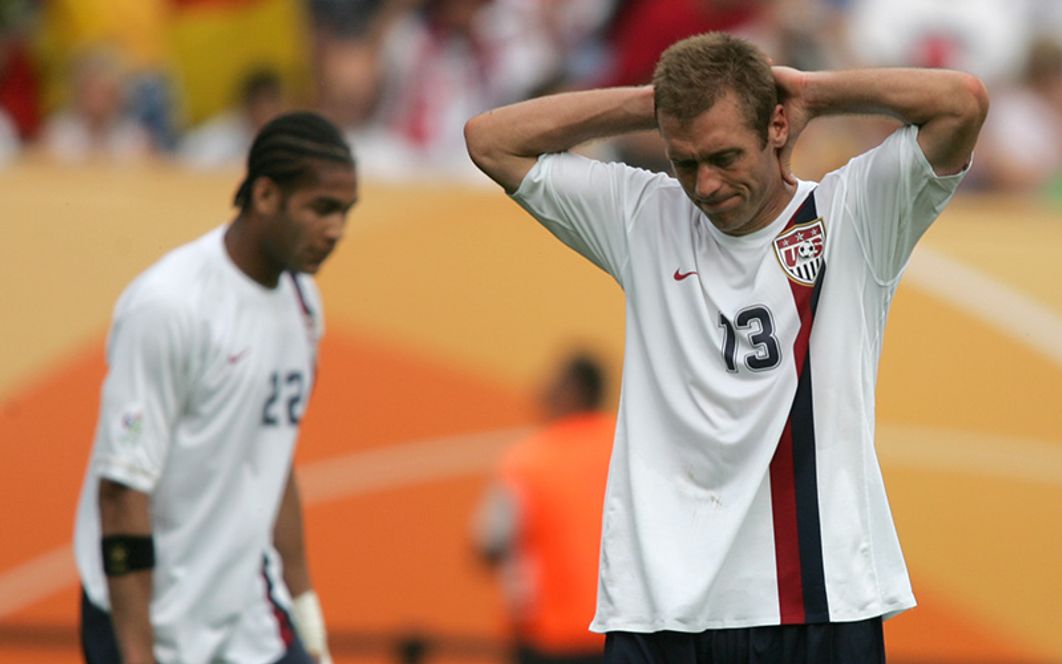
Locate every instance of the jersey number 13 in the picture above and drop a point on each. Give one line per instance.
(757, 326)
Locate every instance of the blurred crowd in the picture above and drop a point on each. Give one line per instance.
(402, 76)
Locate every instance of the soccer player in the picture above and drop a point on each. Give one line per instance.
(189, 493)
(745, 518)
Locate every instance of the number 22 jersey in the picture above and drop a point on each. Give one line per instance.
(744, 488)
(208, 376)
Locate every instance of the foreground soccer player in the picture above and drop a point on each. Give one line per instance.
(211, 361)
(745, 518)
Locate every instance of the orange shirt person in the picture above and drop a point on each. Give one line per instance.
(540, 522)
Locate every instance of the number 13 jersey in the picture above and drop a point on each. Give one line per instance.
(744, 488)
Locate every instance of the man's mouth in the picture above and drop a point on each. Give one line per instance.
(718, 202)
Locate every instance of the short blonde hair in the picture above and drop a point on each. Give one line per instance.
(695, 73)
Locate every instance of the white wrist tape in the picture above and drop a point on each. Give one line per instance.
(309, 622)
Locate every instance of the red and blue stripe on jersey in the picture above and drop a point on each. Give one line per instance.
(285, 626)
(794, 488)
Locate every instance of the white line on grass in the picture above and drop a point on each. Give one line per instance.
(994, 456)
(355, 474)
(403, 465)
(1007, 309)
(24, 584)
(409, 464)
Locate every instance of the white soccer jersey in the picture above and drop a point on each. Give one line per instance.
(744, 488)
(209, 374)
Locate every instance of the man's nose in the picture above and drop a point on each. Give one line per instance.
(708, 181)
(335, 226)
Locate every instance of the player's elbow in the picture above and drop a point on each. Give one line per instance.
(960, 106)
(971, 99)
(491, 149)
(478, 141)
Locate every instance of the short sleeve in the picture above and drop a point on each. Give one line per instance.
(892, 196)
(142, 394)
(587, 204)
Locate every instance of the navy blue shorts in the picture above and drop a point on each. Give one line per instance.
(99, 645)
(827, 643)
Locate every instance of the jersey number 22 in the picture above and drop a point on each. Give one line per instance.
(285, 399)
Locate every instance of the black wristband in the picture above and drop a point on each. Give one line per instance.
(123, 554)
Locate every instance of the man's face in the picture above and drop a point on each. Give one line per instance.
(724, 166)
(310, 220)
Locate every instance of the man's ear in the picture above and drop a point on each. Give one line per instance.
(265, 196)
(778, 128)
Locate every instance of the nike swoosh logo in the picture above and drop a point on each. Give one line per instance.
(236, 357)
(679, 276)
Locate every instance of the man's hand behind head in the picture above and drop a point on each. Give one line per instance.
(791, 95)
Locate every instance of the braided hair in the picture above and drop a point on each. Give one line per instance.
(284, 151)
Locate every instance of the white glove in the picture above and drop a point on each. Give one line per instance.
(309, 623)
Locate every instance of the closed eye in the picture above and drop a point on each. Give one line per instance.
(725, 159)
(326, 206)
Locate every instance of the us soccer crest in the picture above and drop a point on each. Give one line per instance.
(799, 251)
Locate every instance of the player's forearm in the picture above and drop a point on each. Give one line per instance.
(948, 106)
(130, 614)
(505, 142)
(290, 543)
(914, 96)
(126, 513)
(289, 540)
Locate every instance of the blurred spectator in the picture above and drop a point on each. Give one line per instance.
(225, 139)
(436, 67)
(343, 19)
(136, 33)
(640, 32)
(563, 44)
(1021, 143)
(642, 29)
(9, 142)
(984, 37)
(96, 123)
(348, 82)
(152, 104)
(540, 520)
(811, 35)
(19, 84)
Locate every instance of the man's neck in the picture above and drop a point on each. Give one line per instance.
(244, 248)
(774, 204)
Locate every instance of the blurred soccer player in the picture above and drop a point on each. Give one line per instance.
(540, 520)
(745, 518)
(189, 493)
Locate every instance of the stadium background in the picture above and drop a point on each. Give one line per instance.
(445, 305)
